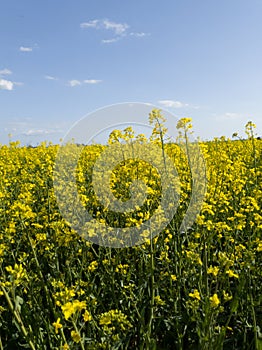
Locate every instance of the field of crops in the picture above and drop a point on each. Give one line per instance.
(194, 289)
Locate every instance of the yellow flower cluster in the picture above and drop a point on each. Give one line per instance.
(114, 318)
(71, 307)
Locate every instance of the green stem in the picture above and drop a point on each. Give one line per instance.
(1, 344)
(254, 321)
(18, 319)
(41, 275)
(76, 329)
(152, 292)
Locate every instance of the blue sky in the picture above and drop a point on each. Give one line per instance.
(62, 59)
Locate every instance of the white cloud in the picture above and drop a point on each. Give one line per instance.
(28, 127)
(139, 34)
(49, 77)
(109, 41)
(172, 103)
(6, 85)
(74, 82)
(37, 132)
(92, 81)
(90, 24)
(5, 72)
(25, 49)
(117, 28)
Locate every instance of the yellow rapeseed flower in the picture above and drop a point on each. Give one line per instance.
(213, 270)
(67, 310)
(195, 295)
(92, 266)
(70, 308)
(75, 336)
(57, 325)
(231, 273)
(158, 300)
(226, 296)
(87, 316)
(214, 300)
(173, 277)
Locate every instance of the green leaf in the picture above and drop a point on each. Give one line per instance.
(18, 302)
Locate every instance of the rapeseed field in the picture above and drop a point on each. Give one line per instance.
(196, 288)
